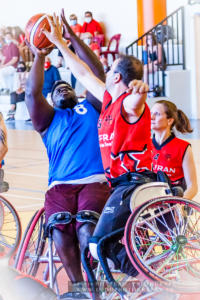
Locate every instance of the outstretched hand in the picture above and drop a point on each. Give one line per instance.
(138, 87)
(67, 31)
(55, 35)
(39, 52)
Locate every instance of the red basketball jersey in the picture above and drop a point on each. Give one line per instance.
(124, 146)
(168, 157)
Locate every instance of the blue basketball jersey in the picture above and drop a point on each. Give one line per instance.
(72, 144)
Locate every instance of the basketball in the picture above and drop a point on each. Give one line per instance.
(33, 31)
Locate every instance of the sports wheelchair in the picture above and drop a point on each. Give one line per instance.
(10, 226)
(162, 240)
(161, 237)
(37, 255)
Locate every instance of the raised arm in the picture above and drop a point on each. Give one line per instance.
(40, 111)
(134, 103)
(78, 67)
(87, 55)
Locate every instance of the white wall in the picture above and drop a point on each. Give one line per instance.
(172, 5)
(118, 16)
(192, 50)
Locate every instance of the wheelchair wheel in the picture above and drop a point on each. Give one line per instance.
(10, 228)
(162, 239)
(31, 246)
(33, 256)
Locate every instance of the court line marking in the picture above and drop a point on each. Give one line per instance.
(23, 197)
(26, 174)
(26, 190)
(28, 206)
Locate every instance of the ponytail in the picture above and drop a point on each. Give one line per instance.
(181, 121)
(182, 124)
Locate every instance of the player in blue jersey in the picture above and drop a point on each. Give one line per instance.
(76, 175)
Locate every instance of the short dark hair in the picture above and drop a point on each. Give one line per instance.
(130, 68)
(88, 12)
(57, 83)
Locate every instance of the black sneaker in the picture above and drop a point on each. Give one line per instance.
(74, 295)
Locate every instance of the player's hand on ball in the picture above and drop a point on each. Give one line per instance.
(55, 36)
(39, 52)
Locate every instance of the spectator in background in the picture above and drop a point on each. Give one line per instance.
(18, 34)
(1, 38)
(91, 25)
(51, 75)
(153, 56)
(19, 89)
(10, 58)
(77, 28)
(87, 37)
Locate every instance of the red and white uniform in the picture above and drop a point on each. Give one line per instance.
(168, 157)
(125, 147)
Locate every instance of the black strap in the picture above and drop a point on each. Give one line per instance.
(132, 178)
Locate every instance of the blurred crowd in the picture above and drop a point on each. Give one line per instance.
(16, 58)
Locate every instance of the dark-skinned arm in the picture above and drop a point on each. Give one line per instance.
(87, 55)
(40, 111)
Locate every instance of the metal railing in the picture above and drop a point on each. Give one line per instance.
(161, 48)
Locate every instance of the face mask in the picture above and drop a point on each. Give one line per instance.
(7, 41)
(88, 19)
(87, 41)
(21, 69)
(73, 22)
(47, 65)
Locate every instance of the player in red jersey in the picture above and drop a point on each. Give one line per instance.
(170, 154)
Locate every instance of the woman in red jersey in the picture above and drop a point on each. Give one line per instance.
(170, 154)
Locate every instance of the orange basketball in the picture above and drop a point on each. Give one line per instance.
(33, 31)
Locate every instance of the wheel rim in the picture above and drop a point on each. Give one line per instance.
(163, 241)
(10, 228)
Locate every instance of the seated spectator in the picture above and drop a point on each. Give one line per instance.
(51, 75)
(1, 38)
(8, 64)
(19, 89)
(91, 25)
(152, 56)
(18, 34)
(77, 28)
(87, 37)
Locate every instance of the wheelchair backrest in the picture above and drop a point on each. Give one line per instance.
(148, 191)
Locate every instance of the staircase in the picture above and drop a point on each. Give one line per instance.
(169, 34)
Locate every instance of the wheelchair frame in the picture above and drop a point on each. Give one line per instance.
(149, 211)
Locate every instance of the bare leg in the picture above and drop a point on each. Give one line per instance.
(68, 250)
(84, 233)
